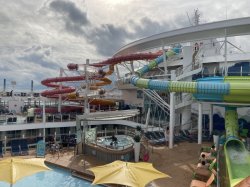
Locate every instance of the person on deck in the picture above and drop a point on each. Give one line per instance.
(166, 134)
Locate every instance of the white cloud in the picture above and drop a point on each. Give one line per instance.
(38, 37)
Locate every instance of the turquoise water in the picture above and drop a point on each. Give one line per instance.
(240, 163)
(122, 142)
(54, 178)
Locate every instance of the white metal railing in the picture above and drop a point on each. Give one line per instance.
(109, 133)
(153, 95)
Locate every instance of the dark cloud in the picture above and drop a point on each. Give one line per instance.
(147, 27)
(74, 18)
(33, 63)
(108, 38)
(4, 19)
(38, 56)
(4, 67)
(39, 60)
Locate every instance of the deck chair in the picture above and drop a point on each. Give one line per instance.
(158, 137)
(38, 138)
(203, 174)
(209, 156)
(14, 119)
(15, 148)
(24, 147)
(1, 149)
(185, 136)
(151, 139)
(205, 149)
(198, 183)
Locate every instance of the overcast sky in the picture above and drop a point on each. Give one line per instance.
(37, 37)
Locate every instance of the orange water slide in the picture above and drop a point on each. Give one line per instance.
(71, 96)
(53, 82)
(100, 78)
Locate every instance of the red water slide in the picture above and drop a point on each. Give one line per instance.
(119, 59)
(53, 82)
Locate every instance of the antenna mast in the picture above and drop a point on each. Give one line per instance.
(197, 16)
(189, 20)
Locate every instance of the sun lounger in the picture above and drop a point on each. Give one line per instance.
(1, 149)
(198, 183)
(158, 137)
(152, 138)
(203, 174)
(72, 140)
(15, 148)
(39, 138)
(205, 137)
(187, 137)
(24, 147)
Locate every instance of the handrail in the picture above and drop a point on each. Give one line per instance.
(153, 92)
(161, 105)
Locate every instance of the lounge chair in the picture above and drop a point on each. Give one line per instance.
(203, 174)
(158, 137)
(205, 149)
(38, 138)
(24, 147)
(1, 149)
(151, 139)
(14, 119)
(15, 148)
(205, 136)
(186, 136)
(198, 183)
(72, 140)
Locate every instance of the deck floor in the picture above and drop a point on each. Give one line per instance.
(178, 162)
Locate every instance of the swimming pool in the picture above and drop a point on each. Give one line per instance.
(122, 142)
(57, 177)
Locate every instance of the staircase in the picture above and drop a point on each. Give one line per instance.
(194, 66)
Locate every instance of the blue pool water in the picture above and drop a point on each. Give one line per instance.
(123, 142)
(54, 178)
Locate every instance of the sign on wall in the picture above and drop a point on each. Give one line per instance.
(40, 149)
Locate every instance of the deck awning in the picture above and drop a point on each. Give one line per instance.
(234, 27)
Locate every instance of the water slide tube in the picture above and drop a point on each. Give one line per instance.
(216, 89)
(236, 155)
(53, 82)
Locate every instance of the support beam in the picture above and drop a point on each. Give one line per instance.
(199, 123)
(117, 72)
(225, 53)
(132, 67)
(171, 120)
(172, 113)
(211, 119)
(147, 119)
(164, 61)
(86, 108)
(60, 95)
(44, 121)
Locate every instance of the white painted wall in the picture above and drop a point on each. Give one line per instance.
(130, 98)
(187, 67)
(15, 105)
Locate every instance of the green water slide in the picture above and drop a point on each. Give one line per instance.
(216, 89)
(236, 155)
